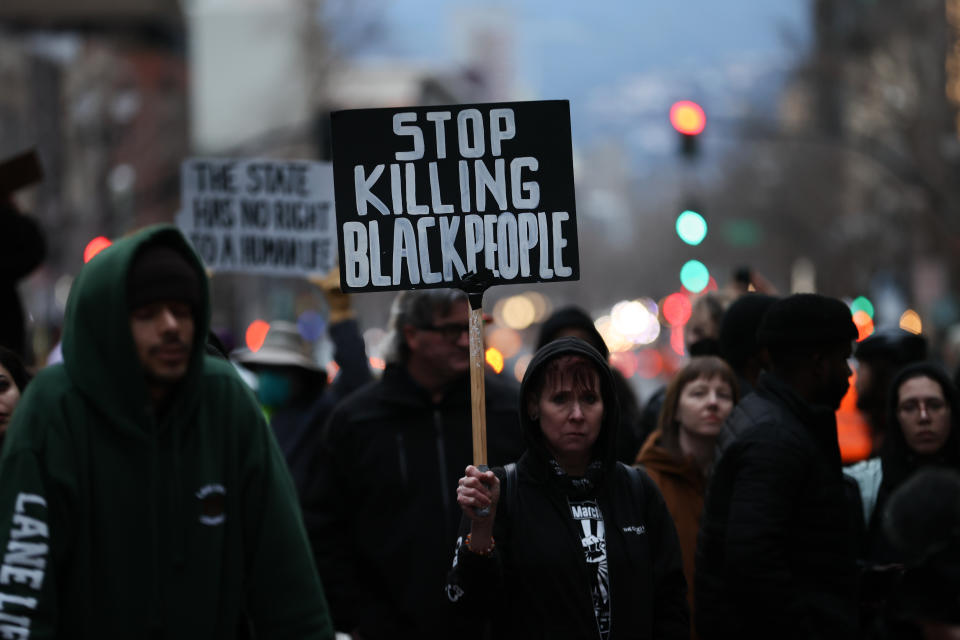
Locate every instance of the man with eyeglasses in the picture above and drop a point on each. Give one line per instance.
(776, 549)
(384, 515)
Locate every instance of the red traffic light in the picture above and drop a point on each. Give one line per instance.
(687, 117)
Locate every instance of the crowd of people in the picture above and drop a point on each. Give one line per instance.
(147, 491)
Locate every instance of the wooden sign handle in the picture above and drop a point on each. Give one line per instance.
(477, 389)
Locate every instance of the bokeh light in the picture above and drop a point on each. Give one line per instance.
(910, 321)
(691, 227)
(694, 276)
(256, 334)
(94, 247)
(676, 309)
(518, 312)
(506, 340)
(862, 304)
(676, 341)
(649, 363)
(864, 324)
(520, 367)
(495, 359)
(614, 340)
(687, 117)
(378, 363)
(310, 324)
(541, 305)
(625, 362)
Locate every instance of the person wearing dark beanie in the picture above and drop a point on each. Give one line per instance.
(738, 338)
(776, 549)
(160, 272)
(574, 322)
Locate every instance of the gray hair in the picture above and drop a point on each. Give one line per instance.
(415, 308)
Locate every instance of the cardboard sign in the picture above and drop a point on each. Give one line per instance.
(273, 217)
(427, 195)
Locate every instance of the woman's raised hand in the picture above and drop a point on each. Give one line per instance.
(478, 489)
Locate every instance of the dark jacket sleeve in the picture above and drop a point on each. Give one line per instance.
(671, 613)
(769, 477)
(350, 354)
(328, 514)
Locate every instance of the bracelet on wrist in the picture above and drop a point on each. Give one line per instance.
(480, 552)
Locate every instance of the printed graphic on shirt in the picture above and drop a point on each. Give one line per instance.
(213, 504)
(24, 565)
(594, 541)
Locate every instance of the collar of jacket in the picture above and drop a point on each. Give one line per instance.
(399, 387)
(818, 419)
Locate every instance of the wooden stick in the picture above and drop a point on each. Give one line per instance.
(478, 393)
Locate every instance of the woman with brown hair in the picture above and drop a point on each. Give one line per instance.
(679, 454)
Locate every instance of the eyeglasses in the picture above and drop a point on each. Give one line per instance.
(912, 407)
(450, 332)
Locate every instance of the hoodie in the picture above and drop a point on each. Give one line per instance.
(119, 523)
(538, 582)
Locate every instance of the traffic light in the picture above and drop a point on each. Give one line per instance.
(688, 118)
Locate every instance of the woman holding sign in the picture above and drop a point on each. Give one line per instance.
(574, 543)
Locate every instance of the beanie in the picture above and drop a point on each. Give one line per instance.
(160, 272)
(806, 319)
(572, 318)
(897, 346)
(738, 327)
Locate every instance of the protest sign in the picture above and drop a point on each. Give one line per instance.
(264, 216)
(426, 196)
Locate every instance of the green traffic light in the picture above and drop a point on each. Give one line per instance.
(691, 227)
(862, 304)
(694, 276)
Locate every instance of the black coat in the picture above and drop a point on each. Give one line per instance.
(776, 550)
(383, 520)
(536, 583)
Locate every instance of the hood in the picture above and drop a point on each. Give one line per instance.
(98, 348)
(605, 447)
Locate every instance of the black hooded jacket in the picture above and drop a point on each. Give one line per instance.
(776, 552)
(536, 583)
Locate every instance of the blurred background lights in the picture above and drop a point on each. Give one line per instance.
(615, 340)
(520, 367)
(691, 227)
(694, 276)
(61, 291)
(649, 363)
(310, 324)
(635, 321)
(256, 334)
(494, 359)
(505, 340)
(676, 309)
(518, 312)
(625, 362)
(910, 321)
(94, 247)
(862, 304)
(864, 324)
(541, 305)
(676, 340)
(373, 340)
(687, 117)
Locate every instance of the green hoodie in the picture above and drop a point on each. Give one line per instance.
(115, 523)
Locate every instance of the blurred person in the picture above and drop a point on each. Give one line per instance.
(700, 337)
(775, 553)
(922, 522)
(679, 455)
(22, 250)
(142, 494)
(738, 338)
(293, 388)
(384, 515)
(879, 357)
(575, 544)
(575, 322)
(13, 382)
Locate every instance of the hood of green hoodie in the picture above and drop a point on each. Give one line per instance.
(605, 448)
(98, 349)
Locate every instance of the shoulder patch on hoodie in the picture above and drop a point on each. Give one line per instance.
(212, 504)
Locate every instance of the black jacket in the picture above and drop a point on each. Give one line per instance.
(776, 553)
(384, 516)
(536, 583)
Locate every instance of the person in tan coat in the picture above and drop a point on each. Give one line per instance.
(679, 454)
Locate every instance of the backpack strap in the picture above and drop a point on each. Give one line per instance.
(512, 482)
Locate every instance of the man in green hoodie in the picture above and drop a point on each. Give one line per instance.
(142, 495)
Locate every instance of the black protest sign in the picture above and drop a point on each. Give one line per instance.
(426, 196)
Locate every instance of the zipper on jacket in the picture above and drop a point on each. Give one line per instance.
(442, 461)
(402, 459)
